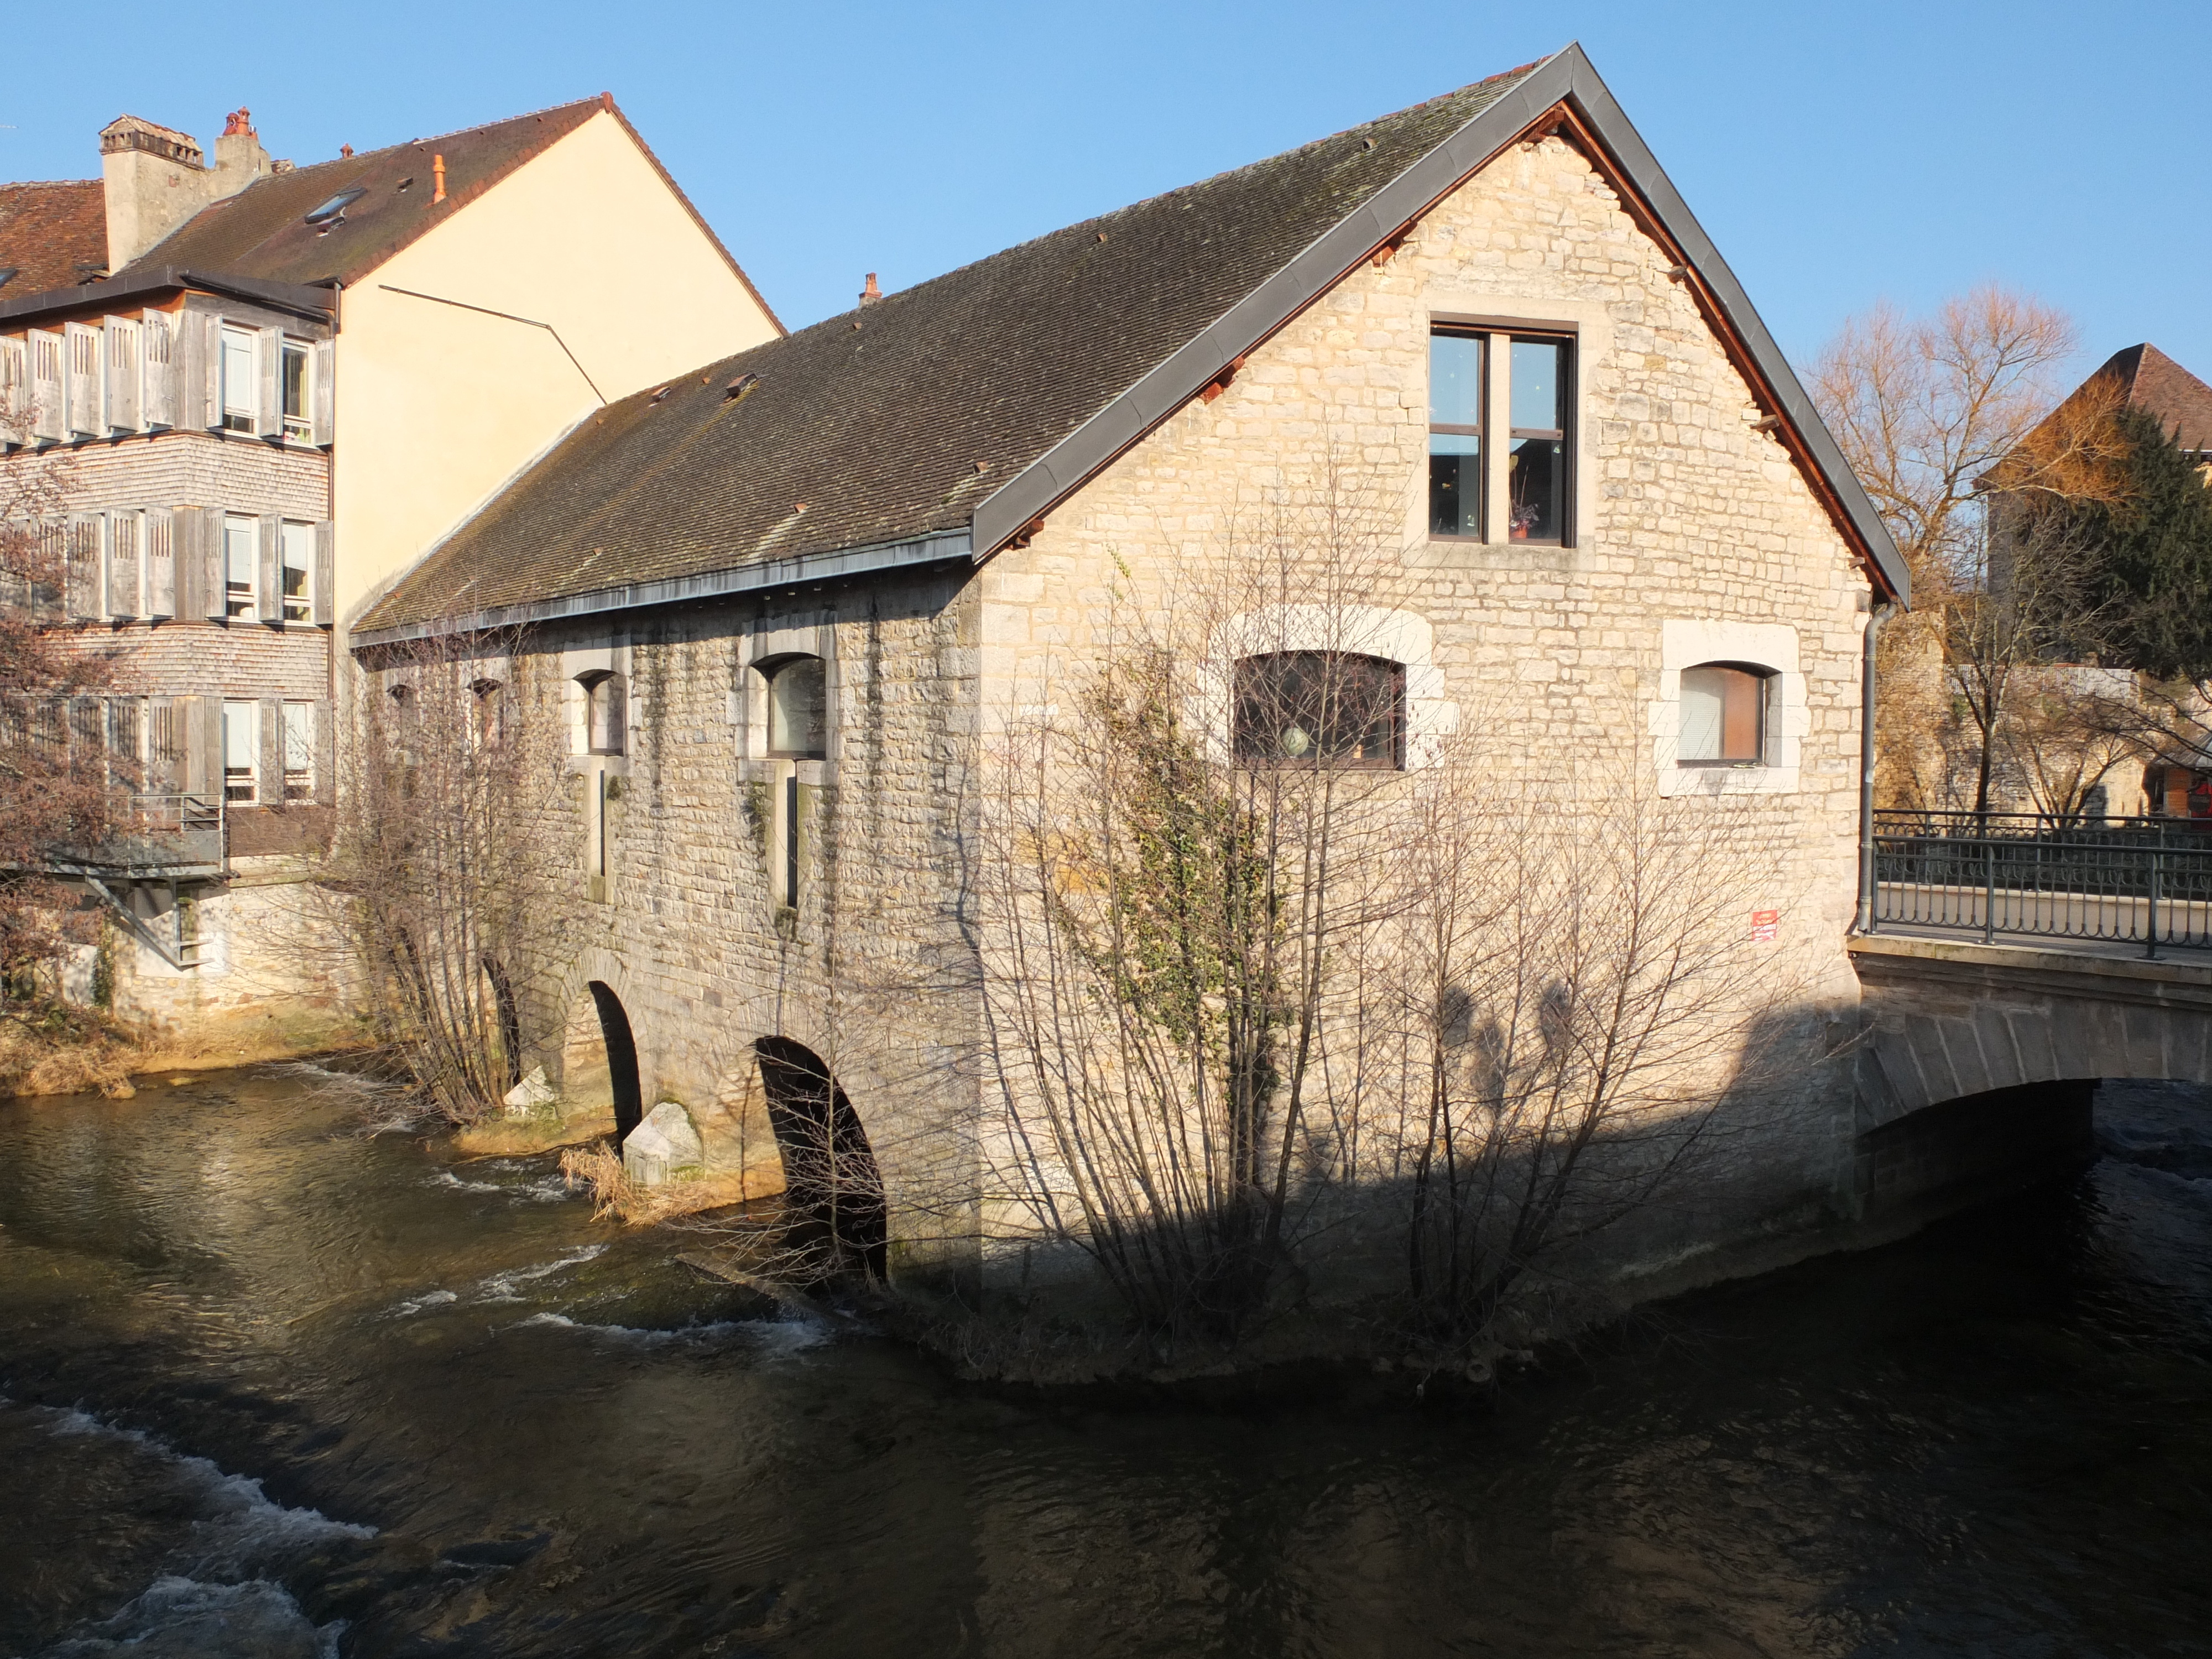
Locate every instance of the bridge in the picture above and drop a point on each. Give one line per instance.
(2012, 963)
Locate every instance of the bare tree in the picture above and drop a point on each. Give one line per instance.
(60, 771)
(452, 822)
(1265, 960)
(1923, 410)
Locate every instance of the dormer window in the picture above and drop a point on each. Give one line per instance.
(605, 713)
(798, 709)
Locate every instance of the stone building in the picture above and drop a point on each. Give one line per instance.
(239, 394)
(816, 574)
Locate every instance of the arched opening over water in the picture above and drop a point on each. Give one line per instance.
(1958, 1151)
(620, 1059)
(830, 1179)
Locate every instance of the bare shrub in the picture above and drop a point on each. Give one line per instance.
(452, 825)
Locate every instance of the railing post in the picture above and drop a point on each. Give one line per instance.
(2150, 933)
(1989, 889)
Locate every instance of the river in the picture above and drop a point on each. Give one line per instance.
(268, 1387)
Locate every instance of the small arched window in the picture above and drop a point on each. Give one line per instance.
(605, 713)
(490, 713)
(1321, 708)
(1723, 715)
(798, 707)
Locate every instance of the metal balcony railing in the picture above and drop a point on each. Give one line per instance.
(167, 836)
(2141, 881)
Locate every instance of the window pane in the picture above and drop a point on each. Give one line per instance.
(238, 388)
(294, 380)
(1722, 718)
(299, 561)
(1537, 478)
(1455, 380)
(238, 735)
(1454, 485)
(1319, 708)
(1540, 372)
(239, 554)
(299, 750)
(797, 718)
(607, 714)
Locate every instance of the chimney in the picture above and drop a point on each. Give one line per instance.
(154, 178)
(437, 178)
(871, 293)
(239, 153)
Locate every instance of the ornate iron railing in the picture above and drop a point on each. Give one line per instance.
(2142, 881)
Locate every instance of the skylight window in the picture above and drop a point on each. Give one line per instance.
(333, 211)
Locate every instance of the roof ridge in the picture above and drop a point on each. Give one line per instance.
(47, 184)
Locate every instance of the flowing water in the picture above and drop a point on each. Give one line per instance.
(269, 1388)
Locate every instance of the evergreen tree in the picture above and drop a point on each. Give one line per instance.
(2151, 558)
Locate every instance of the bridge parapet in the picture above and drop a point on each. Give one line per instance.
(1946, 1018)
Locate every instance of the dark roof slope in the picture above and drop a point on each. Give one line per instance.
(2153, 381)
(55, 232)
(892, 422)
(262, 231)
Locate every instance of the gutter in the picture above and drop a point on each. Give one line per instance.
(1881, 613)
(312, 301)
(806, 569)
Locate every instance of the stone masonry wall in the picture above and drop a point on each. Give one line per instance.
(1553, 656)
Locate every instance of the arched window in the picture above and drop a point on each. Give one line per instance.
(489, 713)
(798, 707)
(605, 713)
(1319, 708)
(1723, 715)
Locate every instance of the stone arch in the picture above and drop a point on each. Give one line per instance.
(831, 1180)
(600, 1065)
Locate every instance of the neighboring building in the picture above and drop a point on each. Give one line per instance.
(813, 572)
(285, 383)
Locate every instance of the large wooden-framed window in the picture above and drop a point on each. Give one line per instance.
(1324, 709)
(1724, 715)
(1458, 369)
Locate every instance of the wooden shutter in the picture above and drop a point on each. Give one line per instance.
(15, 391)
(324, 401)
(82, 555)
(49, 405)
(210, 336)
(215, 543)
(157, 554)
(157, 366)
(124, 563)
(325, 755)
(209, 727)
(81, 344)
(268, 584)
(269, 762)
(269, 398)
(122, 342)
(325, 611)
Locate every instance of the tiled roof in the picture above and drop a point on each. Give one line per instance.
(50, 230)
(262, 231)
(2155, 382)
(891, 422)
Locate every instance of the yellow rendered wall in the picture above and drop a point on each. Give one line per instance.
(438, 407)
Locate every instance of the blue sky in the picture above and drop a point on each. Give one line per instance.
(1838, 155)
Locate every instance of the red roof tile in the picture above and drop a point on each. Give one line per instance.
(50, 228)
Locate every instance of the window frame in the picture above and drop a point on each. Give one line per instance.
(606, 712)
(240, 416)
(772, 670)
(1767, 682)
(300, 427)
(235, 608)
(1479, 431)
(1563, 434)
(1252, 754)
(251, 771)
(301, 608)
(301, 715)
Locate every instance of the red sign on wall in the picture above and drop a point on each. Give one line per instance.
(1766, 926)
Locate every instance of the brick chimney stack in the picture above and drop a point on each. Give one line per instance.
(871, 293)
(155, 178)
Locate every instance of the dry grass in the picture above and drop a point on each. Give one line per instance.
(599, 1167)
(505, 1137)
(64, 1050)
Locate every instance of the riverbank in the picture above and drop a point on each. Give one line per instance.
(64, 1050)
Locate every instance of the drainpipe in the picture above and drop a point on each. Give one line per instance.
(1881, 613)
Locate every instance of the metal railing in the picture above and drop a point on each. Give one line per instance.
(161, 835)
(2142, 881)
